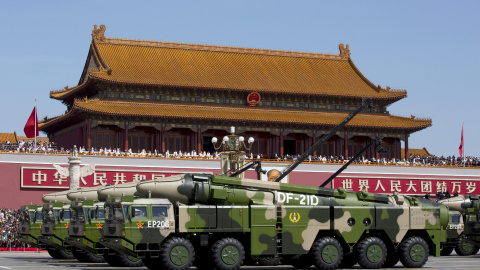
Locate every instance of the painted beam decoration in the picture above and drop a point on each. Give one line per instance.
(42, 177)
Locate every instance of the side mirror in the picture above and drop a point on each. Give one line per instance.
(61, 214)
(132, 212)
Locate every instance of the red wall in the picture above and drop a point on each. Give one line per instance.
(69, 139)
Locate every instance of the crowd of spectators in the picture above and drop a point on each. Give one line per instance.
(28, 146)
(413, 160)
(9, 221)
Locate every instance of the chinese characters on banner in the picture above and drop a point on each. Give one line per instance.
(408, 186)
(50, 178)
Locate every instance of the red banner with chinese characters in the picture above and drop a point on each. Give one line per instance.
(413, 186)
(33, 177)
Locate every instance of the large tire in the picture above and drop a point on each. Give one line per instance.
(228, 254)
(88, 257)
(177, 254)
(464, 248)
(122, 260)
(414, 252)
(129, 261)
(392, 260)
(327, 253)
(349, 260)
(112, 260)
(372, 253)
(269, 261)
(60, 254)
(446, 251)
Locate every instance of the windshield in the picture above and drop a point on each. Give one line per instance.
(65, 214)
(78, 216)
(48, 215)
(39, 216)
(24, 216)
(113, 212)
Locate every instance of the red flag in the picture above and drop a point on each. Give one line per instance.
(32, 124)
(460, 149)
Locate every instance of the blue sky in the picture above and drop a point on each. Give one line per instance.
(429, 48)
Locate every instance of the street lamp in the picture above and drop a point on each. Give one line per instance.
(232, 153)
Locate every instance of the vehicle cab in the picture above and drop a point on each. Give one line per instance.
(27, 223)
(86, 223)
(137, 226)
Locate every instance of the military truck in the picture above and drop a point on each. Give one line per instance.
(468, 242)
(222, 222)
(455, 236)
(30, 223)
(54, 229)
(85, 229)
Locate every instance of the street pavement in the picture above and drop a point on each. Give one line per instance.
(41, 260)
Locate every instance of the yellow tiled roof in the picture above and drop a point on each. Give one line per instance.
(12, 137)
(419, 152)
(243, 114)
(218, 67)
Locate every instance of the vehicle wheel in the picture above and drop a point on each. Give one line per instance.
(464, 248)
(446, 251)
(60, 254)
(112, 260)
(414, 252)
(349, 260)
(125, 260)
(177, 253)
(269, 261)
(327, 253)
(392, 260)
(475, 250)
(372, 253)
(88, 257)
(228, 254)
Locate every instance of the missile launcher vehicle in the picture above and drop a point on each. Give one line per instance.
(56, 219)
(88, 217)
(223, 222)
(469, 206)
(30, 225)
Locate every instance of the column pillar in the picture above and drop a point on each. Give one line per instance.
(281, 143)
(345, 145)
(125, 138)
(398, 149)
(199, 143)
(89, 136)
(406, 147)
(162, 134)
(314, 141)
(157, 140)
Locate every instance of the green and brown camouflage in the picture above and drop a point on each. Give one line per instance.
(30, 225)
(271, 219)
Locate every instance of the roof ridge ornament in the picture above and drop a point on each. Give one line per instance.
(344, 51)
(98, 34)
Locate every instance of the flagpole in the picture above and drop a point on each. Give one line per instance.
(35, 127)
(463, 147)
